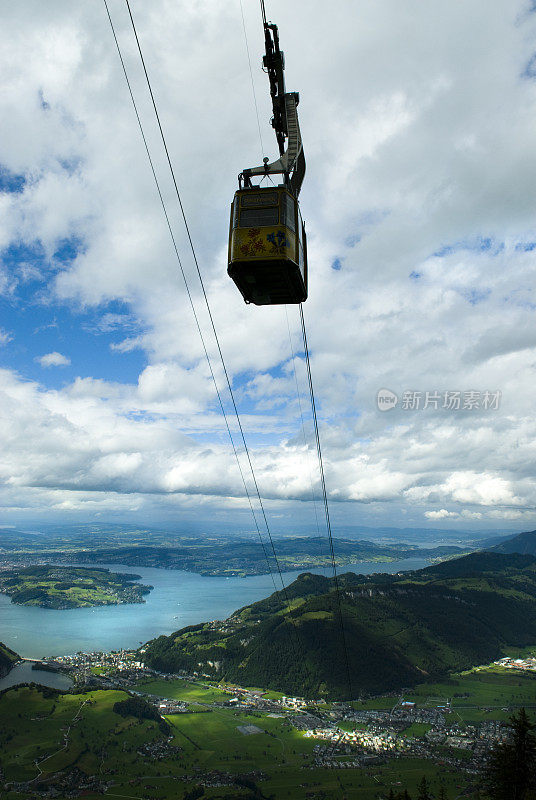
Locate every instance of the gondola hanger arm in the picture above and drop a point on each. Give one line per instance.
(291, 161)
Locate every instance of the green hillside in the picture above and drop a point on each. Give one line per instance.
(398, 629)
(524, 543)
(7, 659)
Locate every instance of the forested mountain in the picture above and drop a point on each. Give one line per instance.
(521, 543)
(398, 629)
(7, 658)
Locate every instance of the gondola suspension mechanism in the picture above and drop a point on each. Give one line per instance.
(268, 246)
(267, 241)
(291, 165)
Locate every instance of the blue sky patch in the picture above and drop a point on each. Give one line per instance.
(42, 102)
(28, 263)
(478, 244)
(26, 260)
(475, 296)
(68, 249)
(10, 181)
(70, 165)
(530, 68)
(38, 329)
(444, 251)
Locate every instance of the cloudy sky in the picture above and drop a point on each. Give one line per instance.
(419, 128)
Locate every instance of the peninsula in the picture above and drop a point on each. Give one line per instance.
(62, 587)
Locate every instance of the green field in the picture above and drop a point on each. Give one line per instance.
(475, 695)
(417, 730)
(186, 691)
(375, 703)
(520, 652)
(365, 784)
(271, 695)
(45, 735)
(82, 732)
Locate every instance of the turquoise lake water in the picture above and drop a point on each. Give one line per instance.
(178, 599)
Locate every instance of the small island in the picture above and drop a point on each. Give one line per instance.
(61, 587)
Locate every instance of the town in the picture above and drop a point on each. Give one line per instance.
(517, 663)
(347, 737)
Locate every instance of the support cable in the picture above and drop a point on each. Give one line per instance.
(300, 646)
(325, 499)
(305, 444)
(300, 649)
(251, 76)
(188, 292)
(202, 283)
(320, 461)
(286, 310)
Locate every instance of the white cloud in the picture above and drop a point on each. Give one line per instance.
(442, 513)
(467, 487)
(419, 140)
(128, 345)
(54, 360)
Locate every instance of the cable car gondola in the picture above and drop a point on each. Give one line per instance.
(267, 246)
(267, 242)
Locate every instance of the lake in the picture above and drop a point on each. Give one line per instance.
(178, 599)
(23, 673)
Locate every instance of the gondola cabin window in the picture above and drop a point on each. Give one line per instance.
(257, 210)
(288, 211)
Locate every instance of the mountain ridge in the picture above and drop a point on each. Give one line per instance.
(524, 543)
(399, 629)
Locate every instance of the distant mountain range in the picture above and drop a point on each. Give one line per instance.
(240, 558)
(236, 554)
(217, 530)
(399, 630)
(206, 556)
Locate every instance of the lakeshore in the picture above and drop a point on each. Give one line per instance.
(23, 672)
(179, 598)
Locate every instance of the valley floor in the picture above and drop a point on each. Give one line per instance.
(226, 740)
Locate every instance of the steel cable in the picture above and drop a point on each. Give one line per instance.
(326, 504)
(188, 292)
(257, 491)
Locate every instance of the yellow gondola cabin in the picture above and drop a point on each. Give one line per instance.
(267, 246)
